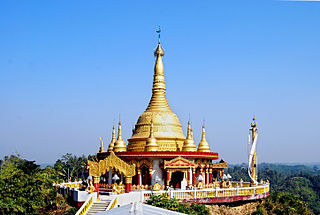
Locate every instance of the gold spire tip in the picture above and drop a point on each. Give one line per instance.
(159, 31)
(159, 50)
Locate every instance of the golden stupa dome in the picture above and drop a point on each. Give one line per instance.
(167, 128)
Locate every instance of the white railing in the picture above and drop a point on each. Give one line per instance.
(209, 193)
(112, 204)
(85, 206)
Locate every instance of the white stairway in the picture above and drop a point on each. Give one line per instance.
(98, 206)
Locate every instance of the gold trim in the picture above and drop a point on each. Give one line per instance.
(178, 162)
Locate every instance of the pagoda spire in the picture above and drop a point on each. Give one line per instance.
(113, 140)
(120, 145)
(203, 145)
(158, 100)
(101, 149)
(188, 144)
(151, 144)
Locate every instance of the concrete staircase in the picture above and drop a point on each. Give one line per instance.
(98, 206)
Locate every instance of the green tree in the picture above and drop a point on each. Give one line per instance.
(26, 189)
(282, 203)
(73, 164)
(163, 201)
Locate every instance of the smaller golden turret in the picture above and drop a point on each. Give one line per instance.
(113, 140)
(120, 145)
(203, 145)
(101, 149)
(151, 144)
(188, 144)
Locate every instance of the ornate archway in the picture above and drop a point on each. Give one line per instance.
(111, 162)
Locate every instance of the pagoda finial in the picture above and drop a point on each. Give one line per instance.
(119, 145)
(101, 145)
(151, 128)
(189, 129)
(188, 144)
(158, 100)
(159, 31)
(113, 140)
(203, 145)
(159, 50)
(151, 144)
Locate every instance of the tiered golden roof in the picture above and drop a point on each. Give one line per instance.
(203, 145)
(167, 128)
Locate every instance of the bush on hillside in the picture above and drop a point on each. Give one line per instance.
(163, 201)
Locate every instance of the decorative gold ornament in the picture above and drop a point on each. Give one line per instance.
(178, 163)
(101, 149)
(117, 189)
(120, 145)
(203, 145)
(167, 127)
(113, 140)
(128, 180)
(91, 188)
(189, 145)
(156, 187)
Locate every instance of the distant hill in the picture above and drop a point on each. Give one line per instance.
(296, 179)
(43, 165)
(286, 168)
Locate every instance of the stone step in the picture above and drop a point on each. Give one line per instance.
(97, 207)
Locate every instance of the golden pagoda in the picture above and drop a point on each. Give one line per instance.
(158, 157)
(158, 152)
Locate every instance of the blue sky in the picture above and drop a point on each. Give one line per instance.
(68, 68)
